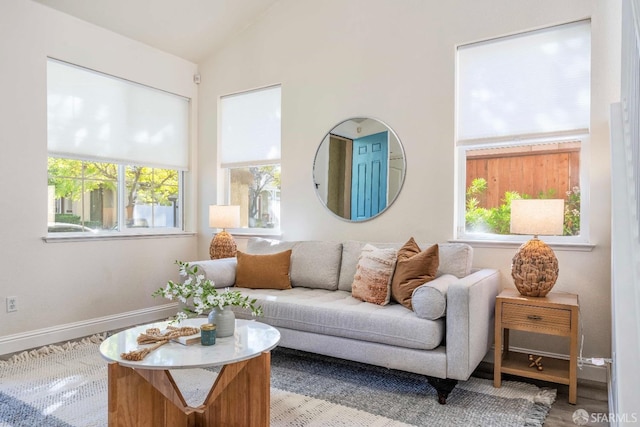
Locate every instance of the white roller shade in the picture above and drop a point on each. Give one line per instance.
(94, 116)
(536, 82)
(250, 127)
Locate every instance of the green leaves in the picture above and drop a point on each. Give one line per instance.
(202, 293)
(497, 220)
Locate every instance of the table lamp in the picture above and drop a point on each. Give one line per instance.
(222, 244)
(534, 267)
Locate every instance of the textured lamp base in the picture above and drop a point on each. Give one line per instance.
(222, 246)
(534, 268)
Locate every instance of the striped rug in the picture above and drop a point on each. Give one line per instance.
(66, 386)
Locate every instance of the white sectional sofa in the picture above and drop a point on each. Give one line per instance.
(444, 336)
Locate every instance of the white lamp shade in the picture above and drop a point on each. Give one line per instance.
(543, 217)
(223, 216)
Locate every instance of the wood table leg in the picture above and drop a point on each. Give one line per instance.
(497, 353)
(145, 397)
(241, 395)
(573, 359)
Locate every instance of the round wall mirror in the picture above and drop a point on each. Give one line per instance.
(359, 169)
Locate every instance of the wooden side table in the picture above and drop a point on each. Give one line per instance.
(554, 314)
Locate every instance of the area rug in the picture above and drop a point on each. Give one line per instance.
(66, 386)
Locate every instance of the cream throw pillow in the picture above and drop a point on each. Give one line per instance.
(372, 281)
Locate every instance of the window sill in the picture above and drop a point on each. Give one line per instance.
(266, 233)
(78, 237)
(502, 244)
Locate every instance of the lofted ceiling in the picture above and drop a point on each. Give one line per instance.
(191, 29)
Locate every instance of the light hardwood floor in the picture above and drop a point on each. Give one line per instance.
(592, 397)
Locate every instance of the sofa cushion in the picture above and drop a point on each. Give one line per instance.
(337, 313)
(454, 258)
(414, 268)
(314, 264)
(222, 272)
(268, 271)
(372, 281)
(260, 246)
(429, 301)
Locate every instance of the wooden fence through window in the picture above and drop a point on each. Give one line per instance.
(530, 170)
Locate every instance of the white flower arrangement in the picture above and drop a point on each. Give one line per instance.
(202, 294)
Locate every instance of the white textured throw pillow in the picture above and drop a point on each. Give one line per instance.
(372, 281)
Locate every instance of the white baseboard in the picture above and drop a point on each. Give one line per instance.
(587, 372)
(69, 331)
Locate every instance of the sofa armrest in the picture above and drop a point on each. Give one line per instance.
(222, 272)
(470, 321)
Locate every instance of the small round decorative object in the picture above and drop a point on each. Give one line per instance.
(208, 334)
(534, 268)
(536, 362)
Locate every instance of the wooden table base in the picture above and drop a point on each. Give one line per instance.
(240, 396)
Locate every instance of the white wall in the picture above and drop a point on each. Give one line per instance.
(71, 288)
(395, 60)
(335, 59)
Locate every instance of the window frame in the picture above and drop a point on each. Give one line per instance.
(121, 214)
(461, 178)
(224, 170)
(499, 141)
(261, 231)
(182, 169)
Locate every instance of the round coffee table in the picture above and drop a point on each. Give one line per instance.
(144, 392)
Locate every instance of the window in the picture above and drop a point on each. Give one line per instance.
(250, 155)
(117, 153)
(84, 196)
(522, 128)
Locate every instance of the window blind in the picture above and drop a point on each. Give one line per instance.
(94, 116)
(535, 82)
(250, 128)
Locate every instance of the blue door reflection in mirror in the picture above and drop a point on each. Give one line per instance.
(369, 179)
(359, 169)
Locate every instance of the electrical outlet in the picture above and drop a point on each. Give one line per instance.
(12, 304)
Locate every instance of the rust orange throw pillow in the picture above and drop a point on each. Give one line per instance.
(263, 271)
(413, 268)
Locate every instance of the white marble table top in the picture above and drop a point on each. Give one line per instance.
(249, 340)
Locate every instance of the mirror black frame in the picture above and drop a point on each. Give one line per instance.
(342, 135)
